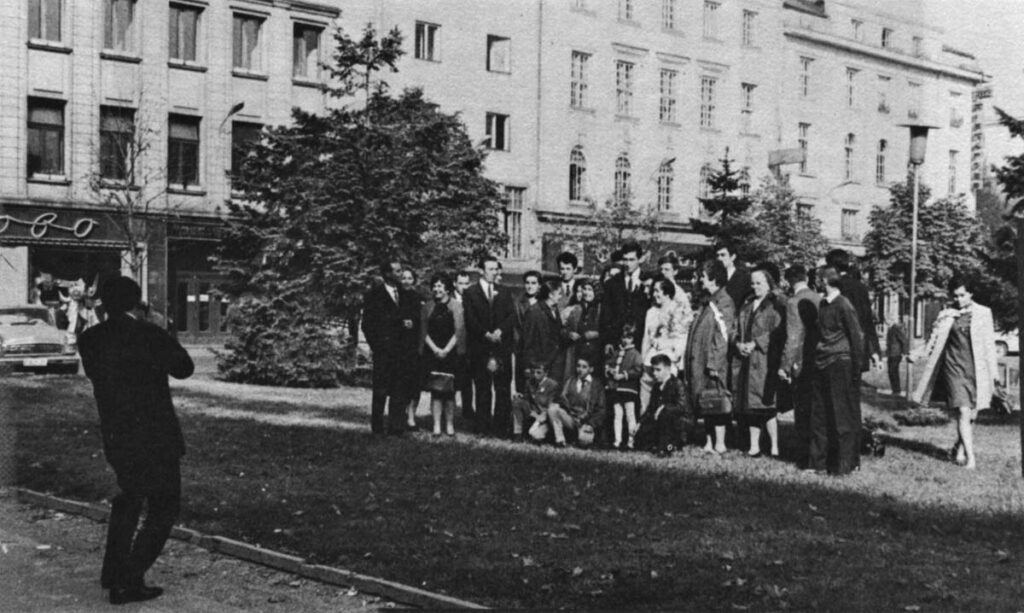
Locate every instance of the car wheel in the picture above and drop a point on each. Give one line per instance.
(1002, 349)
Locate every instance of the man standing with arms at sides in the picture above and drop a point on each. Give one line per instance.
(391, 325)
(490, 319)
(568, 266)
(797, 367)
(738, 286)
(128, 361)
(624, 301)
(835, 411)
(464, 378)
(531, 285)
(896, 346)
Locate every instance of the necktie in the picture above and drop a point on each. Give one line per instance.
(490, 293)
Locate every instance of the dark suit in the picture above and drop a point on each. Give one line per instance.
(128, 362)
(483, 316)
(619, 307)
(667, 420)
(738, 286)
(896, 347)
(798, 360)
(542, 340)
(854, 290)
(392, 330)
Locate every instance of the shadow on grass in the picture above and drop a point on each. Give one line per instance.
(535, 527)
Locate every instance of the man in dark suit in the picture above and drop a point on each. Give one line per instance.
(624, 301)
(896, 346)
(854, 290)
(797, 366)
(738, 285)
(490, 318)
(568, 267)
(128, 361)
(391, 319)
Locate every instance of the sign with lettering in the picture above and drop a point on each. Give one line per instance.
(45, 222)
(28, 224)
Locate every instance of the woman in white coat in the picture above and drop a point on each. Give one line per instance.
(967, 366)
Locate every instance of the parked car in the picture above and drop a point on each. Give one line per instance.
(1008, 343)
(30, 340)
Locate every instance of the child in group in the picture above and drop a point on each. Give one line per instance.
(666, 422)
(580, 407)
(534, 403)
(623, 372)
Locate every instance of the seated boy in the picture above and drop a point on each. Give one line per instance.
(533, 403)
(580, 406)
(666, 422)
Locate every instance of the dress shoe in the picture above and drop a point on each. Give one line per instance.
(136, 593)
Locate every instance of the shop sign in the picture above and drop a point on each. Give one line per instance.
(46, 224)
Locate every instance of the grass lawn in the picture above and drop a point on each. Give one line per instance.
(519, 526)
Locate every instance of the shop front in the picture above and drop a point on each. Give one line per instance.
(196, 306)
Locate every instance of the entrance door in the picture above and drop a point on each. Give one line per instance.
(200, 311)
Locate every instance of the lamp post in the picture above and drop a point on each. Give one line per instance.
(918, 145)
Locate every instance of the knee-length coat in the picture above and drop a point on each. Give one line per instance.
(756, 377)
(983, 346)
(707, 346)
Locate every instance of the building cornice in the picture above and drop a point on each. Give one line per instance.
(827, 40)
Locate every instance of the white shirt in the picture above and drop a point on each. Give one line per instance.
(392, 291)
(488, 288)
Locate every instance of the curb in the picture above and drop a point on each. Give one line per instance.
(399, 592)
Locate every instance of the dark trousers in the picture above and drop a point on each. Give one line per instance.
(835, 420)
(894, 374)
(465, 382)
(803, 400)
(658, 432)
(390, 391)
(131, 549)
(493, 410)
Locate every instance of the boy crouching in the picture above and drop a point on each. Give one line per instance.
(533, 403)
(667, 420)
(580, 407)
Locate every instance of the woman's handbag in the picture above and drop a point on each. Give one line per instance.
(440, 382)
(714, 400)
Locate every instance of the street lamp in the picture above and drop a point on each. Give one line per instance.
(918, 145)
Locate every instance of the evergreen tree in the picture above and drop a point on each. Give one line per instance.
(727, 212)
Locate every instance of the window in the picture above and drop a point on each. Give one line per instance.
(887, 35)
(749, 24)
(805, 76)
(306, 51)
(804, 211)
(45, 137)
(427, 43)
(243, 136)
(803, 131)
(183, 28)
(247, 52)
(577, 174)
(955, 118)
(704, 187)
(848, 157)
(747, 110)
(118, 32)
(624, 88)
(667, 103)
(578, 99)
(711, 20)
(851, 87)
(857, 27)
(626, 10)
(917, 46)
(666, 176)
(514, 221)
(183, 151)
(953, 155)
(579, 5)
(880, 162)
(707, 102)
(914, 100)
(668, 14)
(623, 178)
(497, 131)
(883, 94)
(44, 20)
(117, 143)
(848, 227)
(499, 54)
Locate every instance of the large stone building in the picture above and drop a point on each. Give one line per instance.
(579, 100)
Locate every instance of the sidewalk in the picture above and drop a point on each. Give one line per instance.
(50, 561)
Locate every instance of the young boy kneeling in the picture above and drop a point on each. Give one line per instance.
(534, 403)
(580, 407)
(667, 420)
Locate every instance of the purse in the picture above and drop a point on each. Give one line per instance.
(440, 382)
(714, 400)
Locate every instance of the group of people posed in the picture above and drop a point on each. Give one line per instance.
(632, 360)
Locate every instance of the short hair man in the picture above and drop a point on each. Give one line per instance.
(797, 365)
(624, 300)
(128, 361)
(568, 267)
(738, 277)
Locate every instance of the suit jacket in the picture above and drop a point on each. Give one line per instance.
(738, 286)
(619, 306)
(587, 405)
(670, 395)
(521, 305)
(128, 362)
(483, 316)
(542, 338)
(539, 396)
(896, 345)
(384, 322)
(857, 293)
(568, 297)
(801, 332)
(707, 347)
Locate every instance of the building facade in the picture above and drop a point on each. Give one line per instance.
(580, 102)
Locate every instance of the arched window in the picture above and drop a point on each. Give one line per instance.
(880, 162)
(849, 157)
(666, 175)
(704, 187)
(623, 177)
(577, 174)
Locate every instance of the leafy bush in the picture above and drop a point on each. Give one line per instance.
(924, 416)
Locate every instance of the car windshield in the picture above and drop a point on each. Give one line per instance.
(23, 317)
